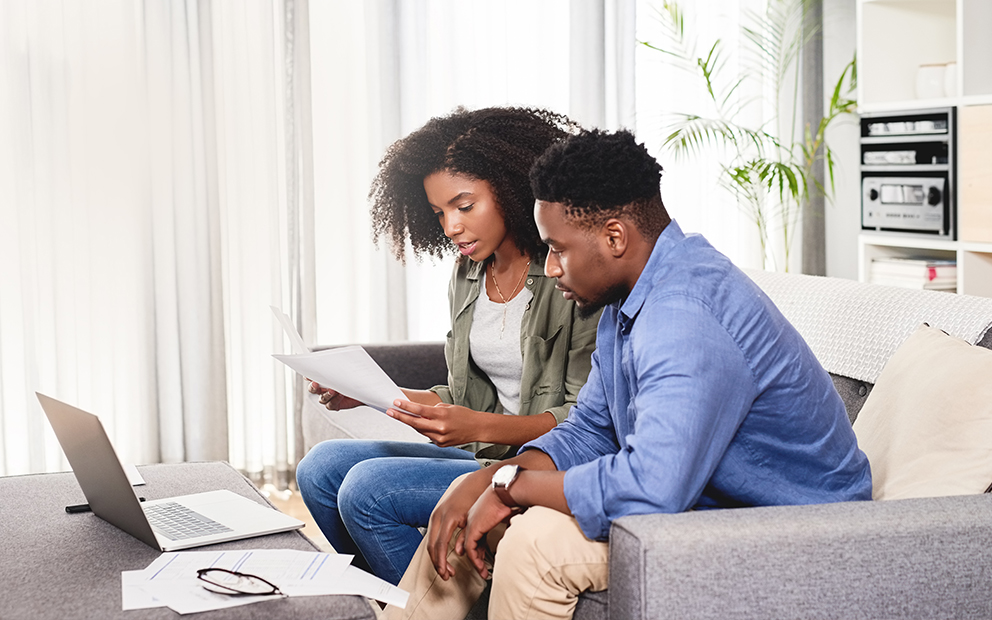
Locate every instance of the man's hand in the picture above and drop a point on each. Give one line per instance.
(445, 425)
(334, 401)
(487, 512)
(452, 513)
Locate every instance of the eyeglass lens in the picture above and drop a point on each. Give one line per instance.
(232, 582)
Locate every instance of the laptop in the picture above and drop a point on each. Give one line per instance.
(170, 524)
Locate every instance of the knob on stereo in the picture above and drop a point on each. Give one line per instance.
(933, 196)
(873, 194)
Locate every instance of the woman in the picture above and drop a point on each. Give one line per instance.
(517, 352)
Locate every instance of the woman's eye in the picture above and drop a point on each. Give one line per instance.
(439, 214)
(466, 208)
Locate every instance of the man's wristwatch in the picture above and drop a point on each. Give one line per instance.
(502, 479)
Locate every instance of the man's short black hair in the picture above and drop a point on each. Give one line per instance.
(597, 175)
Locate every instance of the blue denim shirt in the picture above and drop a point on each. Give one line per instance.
(701, 395)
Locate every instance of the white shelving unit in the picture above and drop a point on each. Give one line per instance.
(974, 259)
(896, 37)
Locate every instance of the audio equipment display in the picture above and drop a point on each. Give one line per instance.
(904, 203)
(908, 172)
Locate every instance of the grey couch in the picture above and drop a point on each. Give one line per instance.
(919, 558)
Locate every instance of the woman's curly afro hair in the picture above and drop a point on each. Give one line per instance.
(597, 175)
(497, 145)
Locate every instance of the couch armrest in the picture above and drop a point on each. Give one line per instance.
(414, 365)
(918, 558)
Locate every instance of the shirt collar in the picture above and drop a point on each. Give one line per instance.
(668, 239)
(536, 268)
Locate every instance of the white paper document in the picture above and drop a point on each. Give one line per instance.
(171, 581)
(350, 371)
(296, 343)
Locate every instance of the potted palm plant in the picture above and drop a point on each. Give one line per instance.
(768, 167)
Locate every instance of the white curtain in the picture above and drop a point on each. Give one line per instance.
(152, 192)
(171, 168)
(381, 69)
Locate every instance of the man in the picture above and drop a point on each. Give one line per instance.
(701, 396)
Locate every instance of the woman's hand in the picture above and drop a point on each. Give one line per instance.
(445, 425)
(331, 399)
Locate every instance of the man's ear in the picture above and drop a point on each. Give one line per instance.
(616, 236)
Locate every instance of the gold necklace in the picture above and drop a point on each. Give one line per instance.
(492, 270)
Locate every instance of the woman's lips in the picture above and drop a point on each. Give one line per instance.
(466, 248)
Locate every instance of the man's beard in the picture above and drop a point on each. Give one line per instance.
(589, 307)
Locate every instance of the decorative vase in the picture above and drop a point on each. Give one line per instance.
(930, 81)
(951, 79)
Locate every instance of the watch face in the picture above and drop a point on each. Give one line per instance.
(504, 475)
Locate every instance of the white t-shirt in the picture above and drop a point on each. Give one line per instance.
(500, 357)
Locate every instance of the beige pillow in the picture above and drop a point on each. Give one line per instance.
(927, 424)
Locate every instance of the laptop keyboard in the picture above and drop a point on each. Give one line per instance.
(177, 522)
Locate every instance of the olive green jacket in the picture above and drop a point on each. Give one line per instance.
(556, 347)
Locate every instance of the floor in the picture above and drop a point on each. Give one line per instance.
(291, 503)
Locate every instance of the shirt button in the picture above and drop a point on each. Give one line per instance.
(527, 307)
(530, 280)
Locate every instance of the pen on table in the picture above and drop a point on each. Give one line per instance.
(74, 508)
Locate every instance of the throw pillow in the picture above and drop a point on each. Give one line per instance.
(927, 424)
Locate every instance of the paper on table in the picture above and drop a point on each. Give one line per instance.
(356, 581)
(171, 579)
(133, 596)
(350, 371)
(295, 340)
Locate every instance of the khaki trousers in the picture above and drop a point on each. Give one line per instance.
(543, 562)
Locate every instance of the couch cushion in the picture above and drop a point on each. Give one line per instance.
(926, 427)
(853, 392)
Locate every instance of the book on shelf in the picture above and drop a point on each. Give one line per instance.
(928, 269)
(916, 273)
(917, 283)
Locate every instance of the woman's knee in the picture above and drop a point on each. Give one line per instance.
(366, 488)
(326, 464)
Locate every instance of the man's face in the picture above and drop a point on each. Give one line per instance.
(578, 258)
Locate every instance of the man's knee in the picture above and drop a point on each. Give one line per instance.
(543, 544)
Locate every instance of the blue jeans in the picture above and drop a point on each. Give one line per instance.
(370, 497)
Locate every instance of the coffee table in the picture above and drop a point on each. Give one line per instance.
(58, 565)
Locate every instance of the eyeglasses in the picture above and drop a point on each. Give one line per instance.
(233, 583)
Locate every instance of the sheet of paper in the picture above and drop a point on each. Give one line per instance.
(171, 579)
(133, 596)
(349, 370)
(356, 581)
(296, 343)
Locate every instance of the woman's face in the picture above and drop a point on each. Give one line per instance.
(467, 211)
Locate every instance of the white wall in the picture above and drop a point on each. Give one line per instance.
(843, 216)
